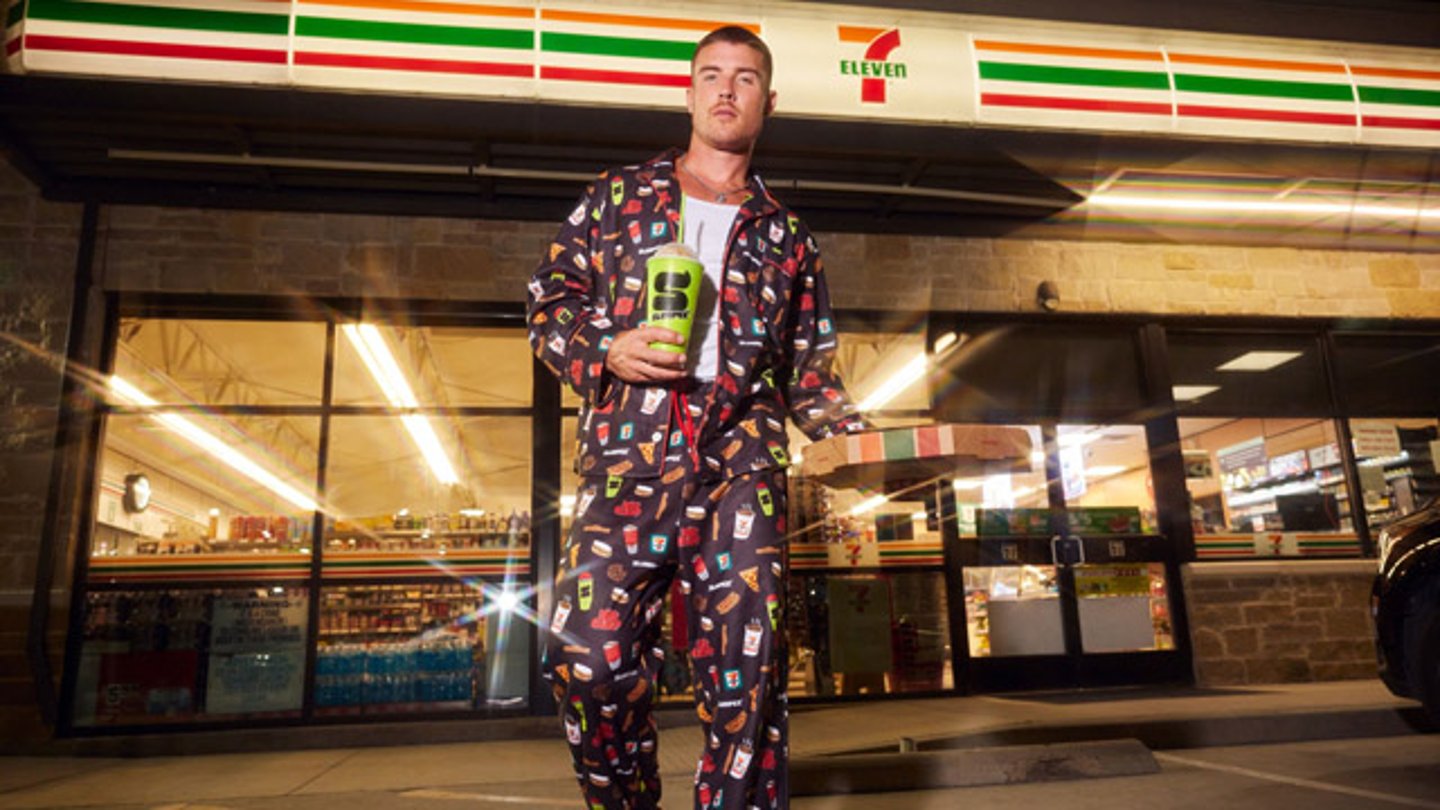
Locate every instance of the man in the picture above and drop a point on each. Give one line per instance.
(683, 458)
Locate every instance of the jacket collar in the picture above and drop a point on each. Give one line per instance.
(759, 203)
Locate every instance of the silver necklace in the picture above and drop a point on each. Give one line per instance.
(719, 195)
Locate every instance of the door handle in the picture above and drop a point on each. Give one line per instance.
(1067, 550)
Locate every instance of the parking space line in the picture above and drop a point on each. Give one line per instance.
(1328, 787)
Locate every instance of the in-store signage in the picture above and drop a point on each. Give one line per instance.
(875, 68)
(137, 493)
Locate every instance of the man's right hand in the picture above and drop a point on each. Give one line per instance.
(631, 359)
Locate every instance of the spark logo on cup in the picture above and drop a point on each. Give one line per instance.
(672, 288)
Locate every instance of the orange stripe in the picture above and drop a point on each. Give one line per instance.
(1264, 64)
(439, 8)
(642, 22)
(1066, 50)
(1395, 73)
(858, 33)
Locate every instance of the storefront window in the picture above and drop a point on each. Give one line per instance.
(443, 366)
(210, 473)
(418, 647)
(1395, 459)
(221, 362)
(470, 490)
(188, 483)
(1123, 607)
(1266, 487)
(1105, 475)
(874, 633)
(176, 656)
(1013, 610)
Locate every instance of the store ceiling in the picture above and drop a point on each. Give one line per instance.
(123, 142)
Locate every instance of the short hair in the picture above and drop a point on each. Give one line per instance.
(736, 35)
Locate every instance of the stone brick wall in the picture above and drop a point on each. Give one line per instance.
(1280, 622)
(38, 244)
(186, 250)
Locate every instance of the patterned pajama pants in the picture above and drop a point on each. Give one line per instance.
(630, 538)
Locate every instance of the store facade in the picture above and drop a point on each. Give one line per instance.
(316, 477)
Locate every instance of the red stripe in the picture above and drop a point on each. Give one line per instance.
(412, 64)
(1088, 104)
(12, 47)
(161, 49)
(927, 442)
(613, 76)
(1283, 116)
(1400, 123)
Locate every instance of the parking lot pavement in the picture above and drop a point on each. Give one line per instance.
(1384, 772)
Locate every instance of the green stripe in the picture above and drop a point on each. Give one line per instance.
(1006, 71)
(232, 22)
(1400, 95)
(1269, 88)
(15, 13)
(414, 34)
(899, 443)
(617, 46)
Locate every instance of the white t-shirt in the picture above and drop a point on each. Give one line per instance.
(706, 229)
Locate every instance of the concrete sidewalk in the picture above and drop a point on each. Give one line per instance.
(536, 771)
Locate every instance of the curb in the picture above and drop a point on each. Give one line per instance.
(1002, 765)
(1203, 732)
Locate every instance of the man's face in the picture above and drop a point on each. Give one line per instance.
(729, 96)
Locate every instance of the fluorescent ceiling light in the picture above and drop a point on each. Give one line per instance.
(1105, 470)
(1190, 393)
(897, 383)
(211, 444)
(1251, 206)
(968, 483)
(1258, 361)
(373, 351)
(918, 516)
(869, 504)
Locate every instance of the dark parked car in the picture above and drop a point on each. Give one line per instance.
(1405, 603)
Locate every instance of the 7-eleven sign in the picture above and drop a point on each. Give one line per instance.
(875, 68)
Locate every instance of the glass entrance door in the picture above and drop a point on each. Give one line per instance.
(1066, 580)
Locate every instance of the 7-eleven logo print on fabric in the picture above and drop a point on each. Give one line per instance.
(876, 68)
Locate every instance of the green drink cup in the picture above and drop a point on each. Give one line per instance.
(672, 291)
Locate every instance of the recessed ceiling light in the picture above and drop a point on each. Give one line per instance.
(1190, 393)
(1258, 361)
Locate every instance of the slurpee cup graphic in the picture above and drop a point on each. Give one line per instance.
(744, 521)
(579, 707)
(602, 433)
(585, 498)
(672, 289)
(767, 504)
(741, 764)
(702, 793)
(777, 452)
(753, 632)
(562, 615)
(587, 591)
(612, 654)
(572, 731)
(772, 606)
(653, 399)
(701, 570)
(632, 539)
